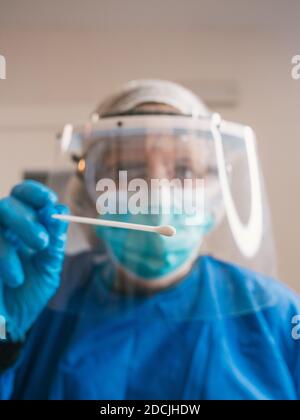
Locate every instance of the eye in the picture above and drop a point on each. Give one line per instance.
(134, 170)
(212, 171)
(183, 170)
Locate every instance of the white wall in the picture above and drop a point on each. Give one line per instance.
(57, 74)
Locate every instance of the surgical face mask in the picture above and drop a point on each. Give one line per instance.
(149, 256)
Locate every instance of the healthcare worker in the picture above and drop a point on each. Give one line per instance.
(137, 315)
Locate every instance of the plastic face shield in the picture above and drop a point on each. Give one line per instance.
(221, 154)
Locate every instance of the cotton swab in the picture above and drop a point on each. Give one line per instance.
(165, 230)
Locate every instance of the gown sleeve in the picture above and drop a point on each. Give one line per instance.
(9, 363)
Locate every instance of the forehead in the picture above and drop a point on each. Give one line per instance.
(154, 107)
(145, 147)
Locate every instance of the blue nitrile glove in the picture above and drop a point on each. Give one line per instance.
(31, 254)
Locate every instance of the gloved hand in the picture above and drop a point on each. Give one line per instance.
(31, 254)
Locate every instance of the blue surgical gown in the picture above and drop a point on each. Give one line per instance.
(223, 332)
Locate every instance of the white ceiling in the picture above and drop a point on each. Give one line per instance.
(154, 14)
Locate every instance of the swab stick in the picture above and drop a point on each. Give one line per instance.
(165, 230)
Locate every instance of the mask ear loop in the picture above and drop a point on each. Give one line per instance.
(247, 236)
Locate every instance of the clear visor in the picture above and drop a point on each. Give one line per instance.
(202, 175)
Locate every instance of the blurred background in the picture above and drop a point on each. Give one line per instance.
(64, 56)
